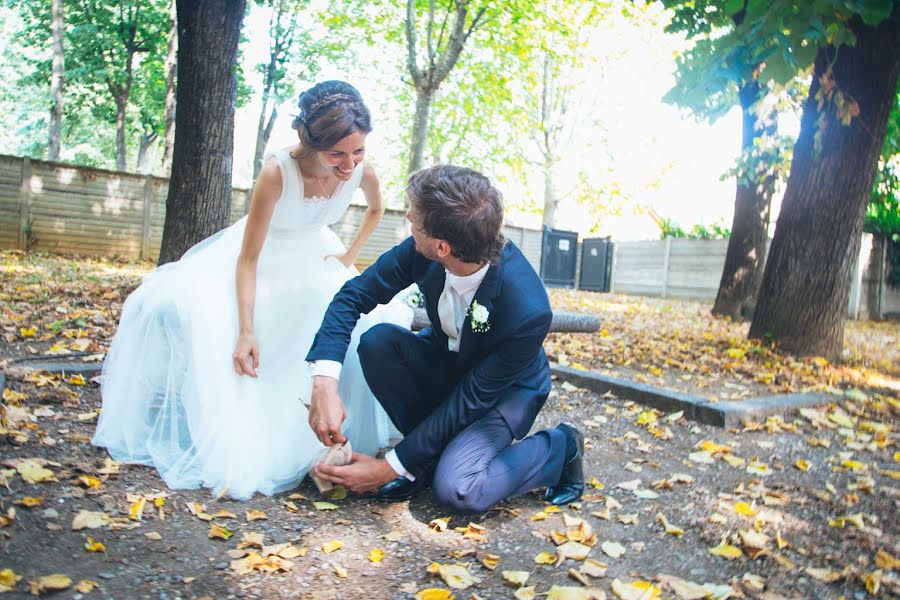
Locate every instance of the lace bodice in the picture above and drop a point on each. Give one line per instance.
(294, 212)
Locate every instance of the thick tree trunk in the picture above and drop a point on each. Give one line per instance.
(171, 65)
(549, 195)
(420, 129)
(56, 80)
(803, 299)
(746, 254)
(199, 197)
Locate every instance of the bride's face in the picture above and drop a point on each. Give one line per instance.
(343, 157)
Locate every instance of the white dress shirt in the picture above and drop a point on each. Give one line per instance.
(462, 289)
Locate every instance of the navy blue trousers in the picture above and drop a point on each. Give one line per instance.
(479, 465)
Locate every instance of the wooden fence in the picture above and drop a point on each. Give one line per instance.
(72, 209)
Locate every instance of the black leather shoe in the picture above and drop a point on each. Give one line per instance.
(570, 486)
(400, 489)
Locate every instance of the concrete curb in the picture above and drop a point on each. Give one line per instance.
(23, 369)
(720, 414)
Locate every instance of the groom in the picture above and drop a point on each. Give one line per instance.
(464, 389)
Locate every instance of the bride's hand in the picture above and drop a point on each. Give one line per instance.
(345, 258)
(246, 355)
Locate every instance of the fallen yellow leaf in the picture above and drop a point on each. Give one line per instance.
(440, 524)
(376, 555)
(92, 545)
(325, 506)
(455, 576)
(564, 592)
(726, 551)
(573, 550)
(32, 472)
(885, 560)
(872, 581)
(802, 464)
(855, 465)
(516, 577)
(332, 546)
(256, 515)
(136, 513)
(12, 396)
(86, 519)
(668, 527)
(8, 580)
(434, 594)
(613, 549)
(89, 481)
(85, 586)
(49, 583)
(545, 558)
(742, 508)
(490, 561)
(29, 501)
(77, 380)
(217, 531)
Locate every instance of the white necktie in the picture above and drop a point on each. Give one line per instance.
(447, 312)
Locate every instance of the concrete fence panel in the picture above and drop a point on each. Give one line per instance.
(79, 210)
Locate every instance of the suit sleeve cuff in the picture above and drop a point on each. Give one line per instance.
(327, 368)
(397, 466)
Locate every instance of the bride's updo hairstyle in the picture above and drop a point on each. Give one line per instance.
(329, 112)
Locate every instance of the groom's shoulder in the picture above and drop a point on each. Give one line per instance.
(521, 283)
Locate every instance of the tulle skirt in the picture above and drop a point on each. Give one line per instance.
(171, 398)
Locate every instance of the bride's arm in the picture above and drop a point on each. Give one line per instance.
(374, 211)
(262, 204)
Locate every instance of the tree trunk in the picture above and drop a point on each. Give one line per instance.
(549, 195)
(147, 140)
(171, 64)
(263, 133)
(424, 97)
(57, 80)
(746, 254)
(121, 116)
(803, 299)
(199, 199)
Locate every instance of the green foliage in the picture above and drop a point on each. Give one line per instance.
(670, 229)
(883, 214)
(98, 39)
(883, 211)
(768, 160)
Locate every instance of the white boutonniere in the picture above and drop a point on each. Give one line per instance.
(479, 317)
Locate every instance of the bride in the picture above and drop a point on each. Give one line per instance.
(177, 398)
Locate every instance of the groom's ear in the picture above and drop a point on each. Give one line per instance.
(443, 249)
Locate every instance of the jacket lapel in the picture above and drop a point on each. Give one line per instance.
(484, 295)
(432, 286)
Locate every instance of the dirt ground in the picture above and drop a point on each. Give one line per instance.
(852, 474)
(802, 505)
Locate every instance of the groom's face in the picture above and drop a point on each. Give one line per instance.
(425, 244)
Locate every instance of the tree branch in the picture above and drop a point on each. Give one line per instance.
(411, 42)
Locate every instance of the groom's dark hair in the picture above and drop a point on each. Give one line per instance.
(462, 207)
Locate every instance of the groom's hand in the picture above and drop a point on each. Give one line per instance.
(326, 411)
(362, 475)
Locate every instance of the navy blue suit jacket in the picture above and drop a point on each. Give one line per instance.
(503, 368)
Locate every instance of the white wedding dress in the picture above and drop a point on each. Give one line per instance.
(171, 398)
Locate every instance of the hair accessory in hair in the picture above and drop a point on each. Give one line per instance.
(331, 99)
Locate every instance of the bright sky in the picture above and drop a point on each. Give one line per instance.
(646, 140)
